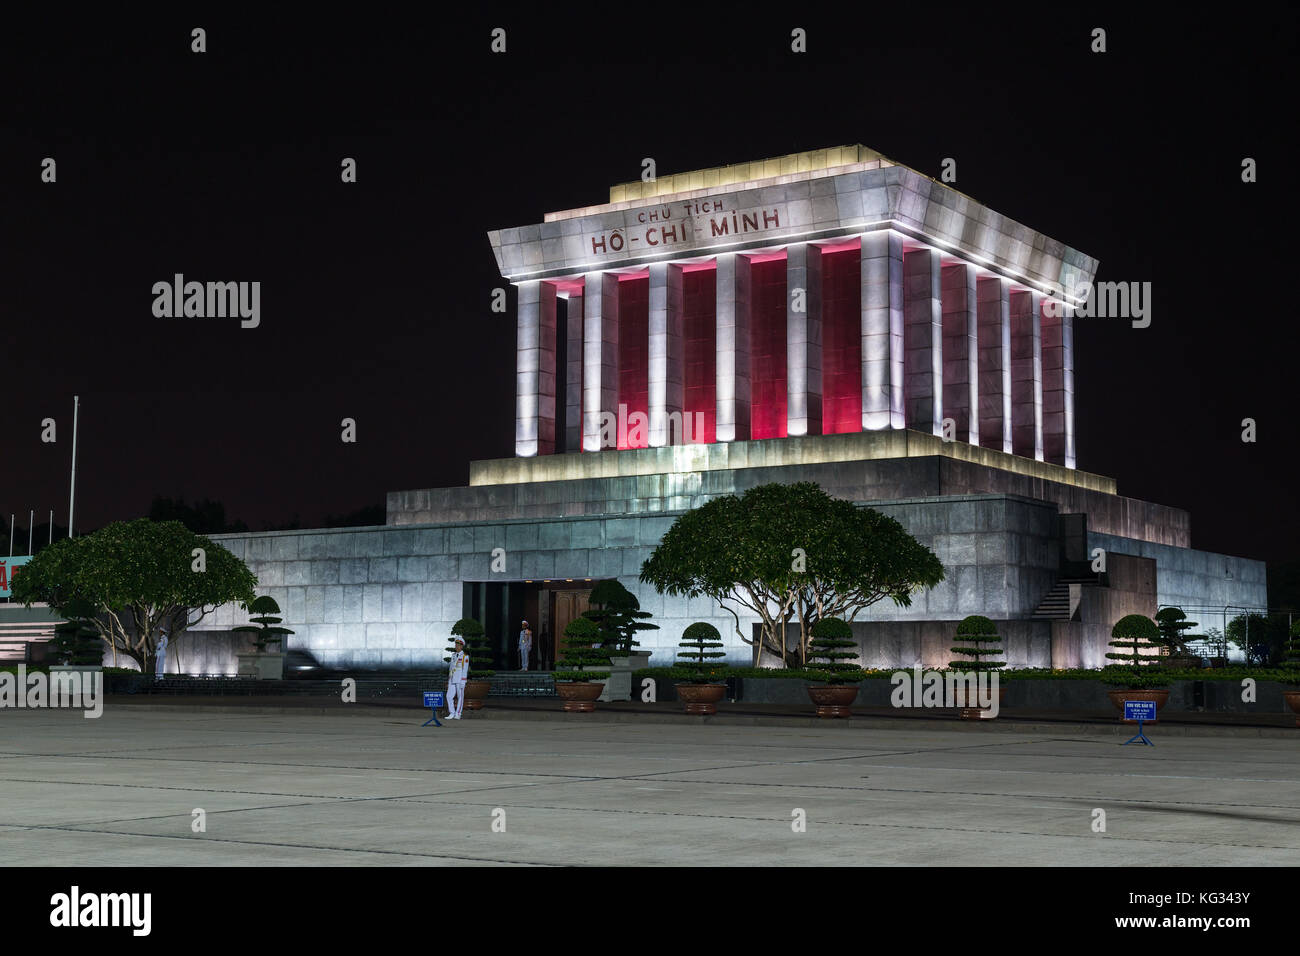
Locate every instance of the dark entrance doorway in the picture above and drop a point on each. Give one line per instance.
(502, 606)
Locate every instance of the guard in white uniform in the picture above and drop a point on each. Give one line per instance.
(525, 645)
(456, 678)
(160, 663)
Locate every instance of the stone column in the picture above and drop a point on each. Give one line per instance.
(733, 318)
(1036, 308)
(923, 340)
(961, 351)
(994, 303)
(665, 380)
(882, 330)
(599, 357)
(803, 339)
(573, 374)
(1067, 359)
(1026, 375)
(535, 370)
(1053, 329)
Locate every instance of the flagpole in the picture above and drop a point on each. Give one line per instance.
(76, 402)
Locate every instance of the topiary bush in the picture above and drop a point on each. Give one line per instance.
(476, 644)
(1133, 634)
(267, 620)
(617, 614)
(831, 649)
(582, 651)
(703, 643)
(980, 642)
(76, 642)
(1172, 624)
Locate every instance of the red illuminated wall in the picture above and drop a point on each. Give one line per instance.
(700, 336)
(767, 348)
(634, 352)
(841, 340)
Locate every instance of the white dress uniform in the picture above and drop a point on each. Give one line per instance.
(160, 663)
(525, 646)
(456, 678)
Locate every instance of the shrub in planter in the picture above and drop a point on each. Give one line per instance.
(835, 679)
(576, 676)
(1133, 634)
(267, 630)
(1173, 625)
(982, 646)
(702, 691)
(76, 642)
(617, 614)
(480, 660)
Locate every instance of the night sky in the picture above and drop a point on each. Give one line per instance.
(225, 166)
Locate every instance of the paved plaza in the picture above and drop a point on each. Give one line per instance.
(376, 788)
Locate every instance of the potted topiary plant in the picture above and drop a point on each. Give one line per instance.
(981, 643)
(1134, 634)
(617, 613)
(77, 646)
(264, 665)
(1292, 667)
(834, 679)
(480, 660)
(1173, 625)
(575, 681)
(701, 692)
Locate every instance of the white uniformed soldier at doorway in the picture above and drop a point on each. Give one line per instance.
(525, 645)
(456, 677)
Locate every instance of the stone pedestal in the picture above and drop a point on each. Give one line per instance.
(618, 686)
(261, 666)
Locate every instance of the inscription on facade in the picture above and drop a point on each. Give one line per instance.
(697, 222)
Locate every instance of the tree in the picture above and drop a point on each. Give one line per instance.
(703, 646)
(582, 651)
(618, 615)
(476, 645)
(830, 652)
(1173, 623)
(789, 553)
(981, 642)
(140, 576)
(1260, 638)
(203, 517)
(1133, 634)
(266, 625)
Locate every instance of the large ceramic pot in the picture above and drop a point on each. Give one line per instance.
(476, 692)
(701, 698)
(833, 700)
(579, 696)
(979, 713)
(1117, 697)
(1292, 698)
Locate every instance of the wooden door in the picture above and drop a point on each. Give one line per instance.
(568, 605)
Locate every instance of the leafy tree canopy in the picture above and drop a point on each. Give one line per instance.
(790, 553)
(140, 576)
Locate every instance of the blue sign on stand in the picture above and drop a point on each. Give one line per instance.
(433, 699)
(1139, 710)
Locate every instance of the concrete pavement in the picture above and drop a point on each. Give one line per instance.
(374, 788)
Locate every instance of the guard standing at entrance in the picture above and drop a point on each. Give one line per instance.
(456, 677)
(525, 645)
